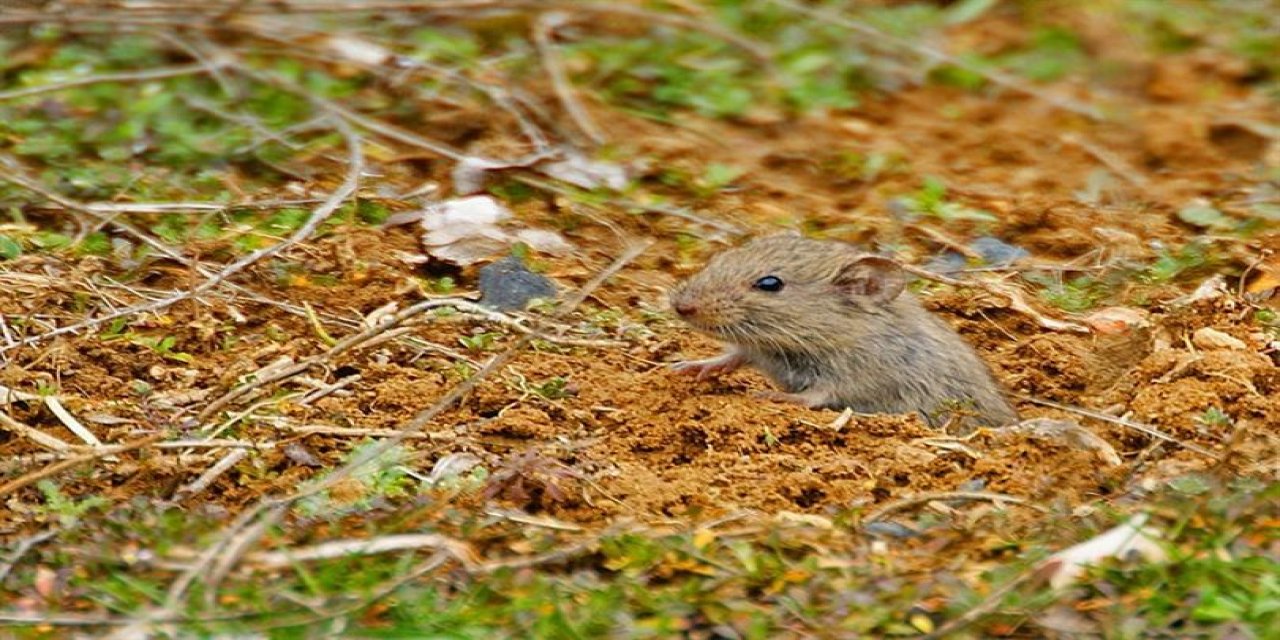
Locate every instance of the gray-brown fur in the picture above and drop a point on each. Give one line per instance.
(840, 332)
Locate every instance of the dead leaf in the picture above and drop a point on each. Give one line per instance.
(464, 231)
(581, 171)
(1132, 537)
(1210, 339)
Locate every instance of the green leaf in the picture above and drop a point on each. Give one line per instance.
(50, 240)
(1206, 217)
(9, 248)
(967, 10)
(1266, 211)
(1191, 485)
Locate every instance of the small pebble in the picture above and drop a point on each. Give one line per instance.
(997, 252)
(890, 529)
(507, 285)
(945, 263)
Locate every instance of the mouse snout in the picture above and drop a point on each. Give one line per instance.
(685, 308)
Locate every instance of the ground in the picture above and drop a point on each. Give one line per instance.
(1146, 296)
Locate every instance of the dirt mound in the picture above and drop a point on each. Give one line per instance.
(616, 433)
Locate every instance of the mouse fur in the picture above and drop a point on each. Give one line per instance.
(839, 332)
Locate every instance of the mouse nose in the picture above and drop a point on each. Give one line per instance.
(686, 308)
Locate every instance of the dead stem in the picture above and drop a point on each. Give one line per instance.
(543, 33)
(131, 76)
(925, 498)
(1016, 301)
(1139, 427)
(58, 467)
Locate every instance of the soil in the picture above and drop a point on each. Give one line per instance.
(640, 441)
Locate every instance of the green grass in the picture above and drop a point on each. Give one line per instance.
(778, 580)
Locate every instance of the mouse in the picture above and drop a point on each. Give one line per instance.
(835, 328)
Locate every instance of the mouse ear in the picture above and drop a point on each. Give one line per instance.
(873, 278)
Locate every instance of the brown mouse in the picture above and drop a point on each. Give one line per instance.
(835, 328)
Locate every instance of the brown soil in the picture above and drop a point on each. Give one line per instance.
(644, 442)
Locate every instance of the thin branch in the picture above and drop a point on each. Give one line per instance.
(457, 549)
(211, 475)
(348, 343)
(58, 467)
(543, 32)
(70, 422)
(1136, 426)
(991, 603)
(924, 498)
(21, 548)
(35, 435)
(131, 76)
(203, 14)
(1112, 161)
(1008, 292)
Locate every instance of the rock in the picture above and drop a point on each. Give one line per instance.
(945, 263)
(507, 285)
(1209, 339)
(997, 252)
(889, 529)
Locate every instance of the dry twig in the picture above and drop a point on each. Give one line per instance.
(543, 32)
(58, 467)
(132, 76)
(925, 498)
(1139, 427)
(456, 549)
(230, 460)
(1008, 292)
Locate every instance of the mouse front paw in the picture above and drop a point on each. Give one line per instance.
(703, 369)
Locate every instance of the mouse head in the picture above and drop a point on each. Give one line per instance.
(790, 293)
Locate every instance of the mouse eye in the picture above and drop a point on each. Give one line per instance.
(769, 283)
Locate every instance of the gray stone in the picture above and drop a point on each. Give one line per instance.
(997, 252)
(507, 285)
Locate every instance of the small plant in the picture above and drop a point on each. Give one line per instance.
(164, 346)
(443, 285)
(1075, 295)
(1214, 417)
(531, 478)
(481, 341)
(931, 200)
(383, 476)
(1170, 264)
(9, 248)
(1269, 321)
(854, 166)
(715, 178)
(556, 388)
(67, 510)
